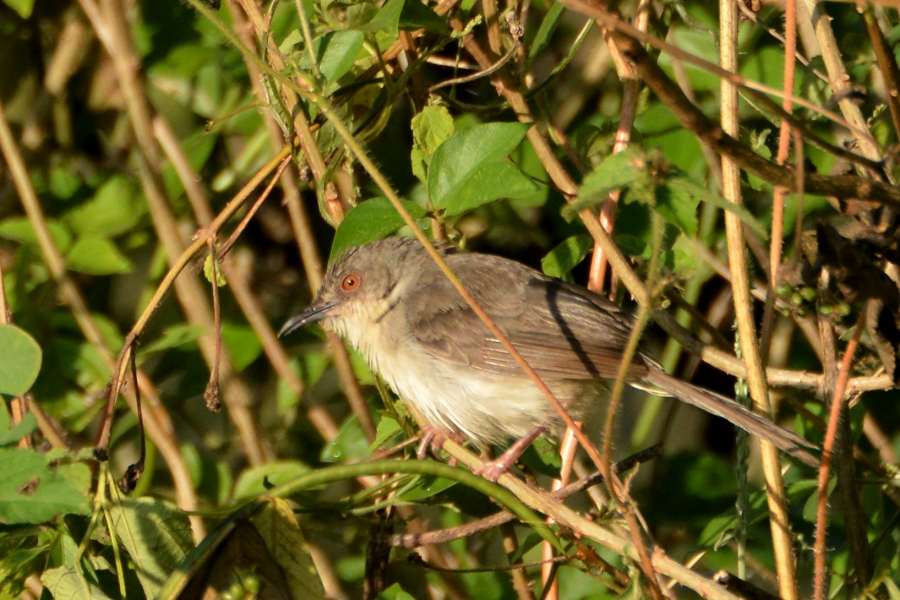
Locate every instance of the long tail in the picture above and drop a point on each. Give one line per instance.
(735, 413)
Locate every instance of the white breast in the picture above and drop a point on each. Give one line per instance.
(485, 408)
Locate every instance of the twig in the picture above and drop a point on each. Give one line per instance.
(838, 77)
(566, 517)
(631, 86)
(758, 91)
(784, 143)
(118, 44)
(887, 64)
(837, 402)
(212, 394)
(440, 536)
(837, 185)
(318, 416)
(159, 425)
(299, 220)
(479, 75)
(743, 308)
(168, 280)
(517, 573)
(247, 301)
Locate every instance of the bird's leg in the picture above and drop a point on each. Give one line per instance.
(495, 468)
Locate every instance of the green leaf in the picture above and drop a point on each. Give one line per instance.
(424, 487)
(678, 208)
(614, 172)
(469, 169)
(96, 255)
(395, 592)
(566, 256)
(369, 221)
(156, 535)
(387, 18)
(430, 128)
(20, 360)
(23, 7)
(208, 272)
(63, 181)
(337, 52)
(114, 209)
(685, 185)
(172, 337)
(489, 182)
(416, 15)
(23, 428)
(69, 582)
(242, 344)
(543, 457)
(19, 229)
(251, 483)
(387, 429)
(545, 31)
(349, 444)
(31, 491)
(280, 530)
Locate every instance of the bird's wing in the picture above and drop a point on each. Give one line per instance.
(563, 331)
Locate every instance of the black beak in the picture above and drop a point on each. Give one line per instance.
(312, 314)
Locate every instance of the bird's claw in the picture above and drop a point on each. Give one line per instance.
(494, 469)
(433, 439)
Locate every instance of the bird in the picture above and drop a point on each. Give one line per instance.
(391, 302)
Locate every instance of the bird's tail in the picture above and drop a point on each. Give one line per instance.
(735, 413)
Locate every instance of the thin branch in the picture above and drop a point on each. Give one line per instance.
(168, 280)
(118, 44)
(299, 220)
(784, 144)
(158, 422)
(887, 65)
(540, 501)
(850, 186)
(837, 402)
(743, 308)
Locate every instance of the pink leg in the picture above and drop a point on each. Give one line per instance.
(433, 438)
(494, 469)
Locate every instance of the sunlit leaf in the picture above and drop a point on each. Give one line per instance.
(33, 491)
(156, 535)
(280, 530)
(369, 221)
(252, 482)
(337, 52)
(96, 255)
(20, 360)
(114, 209)
(470, 168)
(566, 255)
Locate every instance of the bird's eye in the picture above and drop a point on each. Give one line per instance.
(351, 282)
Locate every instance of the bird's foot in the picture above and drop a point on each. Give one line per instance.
(433, 439)
(494, 469)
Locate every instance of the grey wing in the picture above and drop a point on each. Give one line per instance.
(563, 331)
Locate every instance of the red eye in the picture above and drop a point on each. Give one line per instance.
(351, 282)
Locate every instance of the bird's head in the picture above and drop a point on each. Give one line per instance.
(359, 288)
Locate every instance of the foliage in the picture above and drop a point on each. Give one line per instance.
(140, 123)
